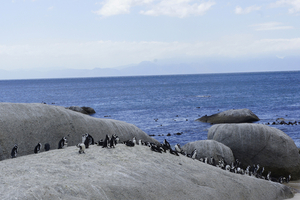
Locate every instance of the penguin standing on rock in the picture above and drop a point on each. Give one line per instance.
(37, 148)
(194, 154)
(178, 148)
(47, 147)
(81, 147)
(167, 144)
(105, 142)
(112, 142)
(62, 143)
(14, 151)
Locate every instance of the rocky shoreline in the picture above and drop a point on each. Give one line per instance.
(125, 172)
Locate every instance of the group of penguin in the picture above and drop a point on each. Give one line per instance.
(62, 143)
(87, 140)
(235, 167)
(111, 142)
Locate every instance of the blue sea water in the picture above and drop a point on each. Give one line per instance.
(170, 104)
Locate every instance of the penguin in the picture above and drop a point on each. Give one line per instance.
(117, 140)
(62, 143)
(205, 160)
(129, 143)
(155, 148)
(134, 141)
(212, 161)
(105, 142)
(178, 148)
(268, 176)
(288, 178)
(194, 154)
(37, 148)
(247, 171)
(87, 140)
(14, 151)
(112, 142)
(173, 152)
(167, 144)
(47, 147)
(227, 168)
(90, 139)
(81, 147)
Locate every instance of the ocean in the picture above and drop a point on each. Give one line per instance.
(166, 107)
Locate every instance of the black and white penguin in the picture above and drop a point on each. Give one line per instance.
(37, 148)
(194, 154)
(167, 144)
(288, 178)
(247, 171)
(117, 140)
(81, 147)
(178, 148)
(14, 151)
(88, 140)
(106, 142)
(129, 143)
(47, 147)
(63, 143)
(173, 152)
(134, 141)
(212, 161)
(268, 176)
(112, 142)
(141, 142)
(205, 160)
(155, 148)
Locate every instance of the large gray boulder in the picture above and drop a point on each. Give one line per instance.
(126, 173)
(260, 144)
(230, 116)
(29, 124)
(210, 148)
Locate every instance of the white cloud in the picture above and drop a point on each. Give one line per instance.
(112, 54)
(270, 26)
(177, 8)
(51, 8)
(295, 4)
(117, 7)
(239, 10)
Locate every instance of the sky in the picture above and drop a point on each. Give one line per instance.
(88, 34)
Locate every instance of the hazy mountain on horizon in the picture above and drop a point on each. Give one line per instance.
(163, 68)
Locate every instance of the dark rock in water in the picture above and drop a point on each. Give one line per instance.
(230, 116)
(89, 110)
(83, 110)
(169, 134)
(260, 144)
(210, 148)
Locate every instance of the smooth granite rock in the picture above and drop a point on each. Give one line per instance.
(230, 116)
(210, 148)
(260, 144)
(126, 173)
(28, 124)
